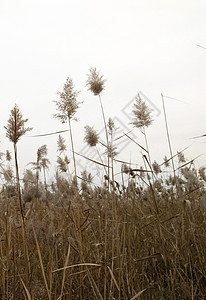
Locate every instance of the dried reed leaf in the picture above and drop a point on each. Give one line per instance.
(83, 271)
(189, 162)
(138, 294)
(26, 290)
(113, 278)
(121, 136)
(124, 162)
(51, 133)
(41, 263)
(77, 265)
(147, 257)
(64, 272)
(94, 161)
(135, 142)
(140, 170)
(175, 155)
(95, 287)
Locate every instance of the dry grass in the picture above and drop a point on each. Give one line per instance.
(148, 256)
(141, 238)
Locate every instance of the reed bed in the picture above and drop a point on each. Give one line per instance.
(141, 235)
(148, 256)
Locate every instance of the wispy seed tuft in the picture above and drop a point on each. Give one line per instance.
(68, 104)
(95, 82)
(141, 113)
(91, 136)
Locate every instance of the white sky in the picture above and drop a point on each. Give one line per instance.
(146, 46)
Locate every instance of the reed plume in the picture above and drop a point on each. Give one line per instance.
(14, 130)
(67, 106)
(91, 136)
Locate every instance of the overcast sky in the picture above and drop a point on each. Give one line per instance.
(147, 46)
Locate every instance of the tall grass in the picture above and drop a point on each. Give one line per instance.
(114, 245)
(137, 260)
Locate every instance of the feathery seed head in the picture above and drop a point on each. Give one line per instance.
(111, 126)
(66, 159)
(67, 105)
(61, 144)
(202, 173)
(141, 113)
(166, 162)
(15, 125)
(8, 155)
(45, 162)
(111, 150)
(87, 177)
(95, 82)
(181, 157)
(62, 163)
(91, 136)
(156, 167)
(41, 152)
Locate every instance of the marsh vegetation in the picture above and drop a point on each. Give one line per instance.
(141, 234)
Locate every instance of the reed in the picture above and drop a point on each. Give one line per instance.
(101, 249)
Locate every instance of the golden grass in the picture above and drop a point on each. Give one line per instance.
(145, 240)
(147, 257)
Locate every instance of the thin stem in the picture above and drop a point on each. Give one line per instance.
(150, 166)
(105, 240)
(18, 188)
(37, 180)
(105, 125)
(45, 183)
(77, 219)
(101, 160)
(107, 138)
(74, 160)
(27, 265)
(149, 157)
(168, 138)
(147, 147)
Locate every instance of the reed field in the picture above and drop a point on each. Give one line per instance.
(140, 234)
